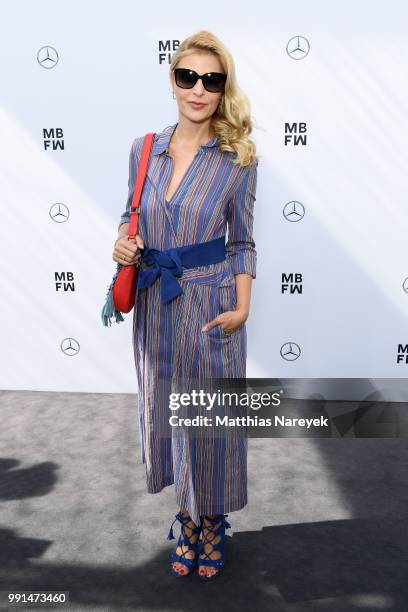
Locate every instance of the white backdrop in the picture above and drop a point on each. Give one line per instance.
(110, 84)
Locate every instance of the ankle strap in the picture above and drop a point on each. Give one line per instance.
(219, 518)
(183, 520)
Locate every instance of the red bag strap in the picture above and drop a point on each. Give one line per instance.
(140, 179)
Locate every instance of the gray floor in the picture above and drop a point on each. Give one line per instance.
(325, 527)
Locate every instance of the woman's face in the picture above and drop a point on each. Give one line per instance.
(201, 63)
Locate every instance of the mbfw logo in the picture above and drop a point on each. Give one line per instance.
(53, 138)
(405, 285)
(64, 281)
(402, 354)
(70, 347)
(47, 57)
(166, 49)
(59, 213)
(290, 351)
(292, 283)
(298, 47)
(293, 211)
(295, 133)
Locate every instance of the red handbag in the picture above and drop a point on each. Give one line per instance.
(121, 292)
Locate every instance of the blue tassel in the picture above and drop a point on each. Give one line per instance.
(109, 310)
(179, 517)
(171, 535)
(223, 519)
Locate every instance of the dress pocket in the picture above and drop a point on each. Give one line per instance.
(215, 284)
(225, 300)
(226, 296)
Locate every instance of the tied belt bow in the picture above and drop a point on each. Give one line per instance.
(169, 263)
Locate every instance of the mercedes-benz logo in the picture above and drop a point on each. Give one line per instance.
(59, 212)
(70, 347)
(293, 211)
(405, 285)
(298, 47)
(290, 351)
(47, 57)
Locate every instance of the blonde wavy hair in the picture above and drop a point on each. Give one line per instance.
(231, 121)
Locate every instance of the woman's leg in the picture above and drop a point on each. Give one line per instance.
(190, 554)
(209, 570)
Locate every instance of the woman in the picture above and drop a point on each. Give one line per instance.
(201, 179)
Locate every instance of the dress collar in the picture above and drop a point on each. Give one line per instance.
(163, 138)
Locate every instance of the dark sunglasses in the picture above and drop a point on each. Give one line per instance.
(212, 81)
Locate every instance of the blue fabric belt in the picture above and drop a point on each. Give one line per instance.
(169, 263)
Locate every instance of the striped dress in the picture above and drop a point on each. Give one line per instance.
(209, 473)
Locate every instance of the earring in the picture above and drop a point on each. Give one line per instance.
(174, 97)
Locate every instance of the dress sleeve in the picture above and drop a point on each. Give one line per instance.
(240, 247)
(133, 166)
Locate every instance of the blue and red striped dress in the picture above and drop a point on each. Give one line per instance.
(209, 473)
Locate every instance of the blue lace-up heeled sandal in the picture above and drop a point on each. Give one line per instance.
(184, 540)
(208, 538)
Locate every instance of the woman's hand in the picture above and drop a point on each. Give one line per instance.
(229, 320)
(127, 252)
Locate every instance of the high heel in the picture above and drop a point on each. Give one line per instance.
(214, 532)
(184, 540)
